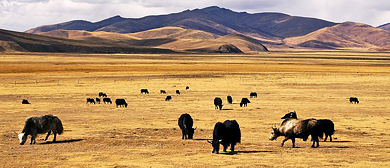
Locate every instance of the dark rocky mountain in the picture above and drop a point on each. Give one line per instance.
(216, 20)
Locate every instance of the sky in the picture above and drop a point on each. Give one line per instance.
(21, 15)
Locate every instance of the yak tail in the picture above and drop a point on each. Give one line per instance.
(59, 127)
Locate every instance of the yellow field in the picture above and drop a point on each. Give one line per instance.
(146, 134)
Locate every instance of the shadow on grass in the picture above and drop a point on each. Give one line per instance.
(338, 141)
(238, 152)
(63, 141)
(227, 109)
(201, 139)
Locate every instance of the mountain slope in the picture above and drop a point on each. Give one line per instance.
(345, 35)
(15, 41)
(385, 26)
(213, 19)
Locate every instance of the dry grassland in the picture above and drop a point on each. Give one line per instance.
(314, 84)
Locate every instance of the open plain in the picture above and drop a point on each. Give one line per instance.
(315, 84)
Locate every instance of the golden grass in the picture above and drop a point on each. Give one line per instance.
(315, 84)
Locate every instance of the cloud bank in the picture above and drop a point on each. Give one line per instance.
(20, 15)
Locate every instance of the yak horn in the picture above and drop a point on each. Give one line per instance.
(195, 128)
(15, 132)
(209, 141)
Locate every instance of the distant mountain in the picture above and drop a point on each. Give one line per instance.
(385, 26)
(16, 41)
(348, 35)
(215, 20)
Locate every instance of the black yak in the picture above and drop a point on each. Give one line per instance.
(144, 91)
(163, 92)
(218, 103)
(187, 87)
(178, 92)
(24, 101)
(101, 94)
(41, 125)
(185, 123)
(121, 103)
(226, 133)
(290, 115)
(107, 100)
(230, 99)
(97, 100)
(253, 95)
(90, 101)
(294, 128)
(354, 100)
(168, 98)
(244, 102)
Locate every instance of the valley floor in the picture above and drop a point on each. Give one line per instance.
(146, 134)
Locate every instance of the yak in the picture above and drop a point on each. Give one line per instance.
(253, 95)
(25, 101)
(144, 91)
(163, 92)
(178, 92)
(218, 103)
(187, 87)
(294, 128)
(40, 125)
(230, 99)
(168, 98)
(185, 123)
(107, 100)
(226, 133)
(121, 103)
(90, 101)
(97, 100)
(326, 124)
(101, 94)
(244, 102)
(354, 100)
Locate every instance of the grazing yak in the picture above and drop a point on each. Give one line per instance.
(101, 94)
(178, 92)
(40, 125)
(121, 103)
(187, 87)
(294, 128)
(90, 101)
(218, 103)
(163, 92)
(326, 125)
(230, 99)
(144, 91)
(185, 123)
(107, 100)
(226, 133)
(168, 98)
(244, 101)
(24, 101)
(253, 95)
(354, 100)
(97, 100)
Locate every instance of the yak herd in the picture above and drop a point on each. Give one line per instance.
(226, 134)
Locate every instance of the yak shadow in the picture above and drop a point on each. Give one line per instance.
(337, 147)
(202, 139)
(227, 109)
(63, 141)
(238, 152)
(338, 141)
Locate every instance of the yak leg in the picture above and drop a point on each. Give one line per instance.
(32, 141)
(225, 147)
(315, 140)
(48, 134)
(330, 138)
(326, 137)
(55, 136)
(293, 142)
(284, 140)
(232, 148)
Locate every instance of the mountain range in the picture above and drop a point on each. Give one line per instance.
(211, 29)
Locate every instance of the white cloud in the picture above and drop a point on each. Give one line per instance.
(21, 15)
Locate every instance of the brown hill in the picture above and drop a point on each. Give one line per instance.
(385, 26)
(215, 20)
(348, 35)
(16, 41)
